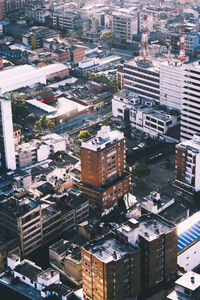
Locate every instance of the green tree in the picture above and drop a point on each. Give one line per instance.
(84, 134)
(108, 37)
(43, 125)
(18, 106)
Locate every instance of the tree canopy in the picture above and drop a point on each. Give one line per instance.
(108, 37)
(84, 134)
(18, 103)
(43, 125)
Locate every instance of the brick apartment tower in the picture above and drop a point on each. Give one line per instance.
(110, 269)
(158, 244)
(187, 176)
(104, 179)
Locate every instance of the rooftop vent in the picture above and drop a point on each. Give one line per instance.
(192, 279)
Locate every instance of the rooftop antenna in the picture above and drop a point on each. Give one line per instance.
(144, 41)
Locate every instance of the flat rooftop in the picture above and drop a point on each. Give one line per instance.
(150, 65)
(190, 280)
(109, 248)
(104, 138)
(193, 144)
(152, 226)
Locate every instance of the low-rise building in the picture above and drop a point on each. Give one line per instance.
(98, 64)
(38, 150)
(142, 114)
(189, 242)
(46, 283)
(187, 287)
(66, 257)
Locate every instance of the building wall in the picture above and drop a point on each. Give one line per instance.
(98, 167)
(190, 258)
(112, 279)
(73, 268)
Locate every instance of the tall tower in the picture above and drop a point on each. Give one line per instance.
(103, 175)
(7, 150)
(144, 41)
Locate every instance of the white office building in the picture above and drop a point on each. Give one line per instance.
(7, 150)
(190, 114)
(143, 77)
(171, 84)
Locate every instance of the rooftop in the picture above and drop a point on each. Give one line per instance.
(28, 269)
(60, 247)
(152, 226)
(190, 280)
(193, 144)
(109, 248)
(104, 138)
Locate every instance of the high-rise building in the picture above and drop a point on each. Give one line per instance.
(188, 165)
(110, 269)
(143, 77)
(131, 262)
(158, 244)
(190, 121)
(157, 240)
(7, 150)
(103, 176)
(171, 84)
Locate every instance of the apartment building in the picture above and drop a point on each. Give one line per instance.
(188, 165)
(157, 240)
(7, 150)
(142, 114)
(190, 121)
(143, 77)
(158, 243)
(124, 24)
(22, 218)
(103, 176)
(64, 20)
(110, 269)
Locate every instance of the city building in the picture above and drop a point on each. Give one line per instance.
(98, 64)
(64, 20)
(110, 269)
(38, 150)
(103, 176)
(171, 84)
(187, 175)
(7, 150)
(190, 122)
(124, 24)
(66, 258)
(143, 77)
(157, 239)
(22, 218)
(22, 76)
(189, 242)
(44, 283)
(186, 287)
(165, 206)
(142, 114)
